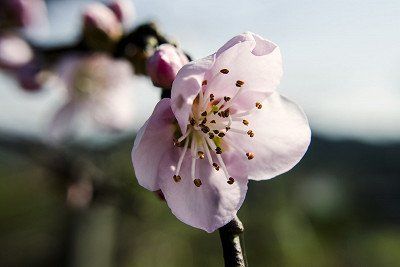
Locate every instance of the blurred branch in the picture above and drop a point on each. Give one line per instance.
(232, 242)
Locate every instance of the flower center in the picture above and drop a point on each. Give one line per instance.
(210, 125)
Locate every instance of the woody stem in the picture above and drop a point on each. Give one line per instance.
(232, 241)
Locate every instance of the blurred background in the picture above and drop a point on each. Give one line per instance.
(339, 207)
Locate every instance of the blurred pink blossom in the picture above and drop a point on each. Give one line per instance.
(124, 10)
(23, 13)
(164, 64)
(101, 26)
(14, 51)
(224, 124)
(97, 87)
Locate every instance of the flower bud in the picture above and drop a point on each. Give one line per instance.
(23, 13)
(101, 27)
(14, 52)
(164, 64)
(124, 11)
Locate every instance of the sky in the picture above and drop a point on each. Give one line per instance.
(341, 58)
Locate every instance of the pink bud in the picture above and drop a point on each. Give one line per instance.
(14, 52)
(24, 13)
(164, 64)
(101, 26)
(124, 11)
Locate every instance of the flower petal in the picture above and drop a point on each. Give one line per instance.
(207, 207)
(281, 138)
(186, 87)
(63, 120)
(152, 141)
(250, 59)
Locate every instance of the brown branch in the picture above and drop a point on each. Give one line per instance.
(231, 236)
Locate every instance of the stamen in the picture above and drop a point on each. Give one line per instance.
(221, 135)
(218, 150)
(211, 97)
(192, 121)
(239, 83)
(204, 113)
(205, 129)
(184, 136)
(250, 155)
(213, 121)
(205, 146)
(221, 161)
(216, 131)
(216, 166)
(204, 82)
(258, 105)
(197, 182)
(177, 178)
(227, 98)
(201, 154)
(245, 122)
(178, 166)
(230, 180)
(224, 71)
(211, 135)
(250, 133)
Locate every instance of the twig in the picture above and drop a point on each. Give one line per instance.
(233, 244)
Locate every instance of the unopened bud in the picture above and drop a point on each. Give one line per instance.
(164, 64)
(124, 11)
(14, 52)
(101, 27)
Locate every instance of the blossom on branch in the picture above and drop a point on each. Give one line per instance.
(97, 87)
(164, 64)
(101, 27)
(224, 124)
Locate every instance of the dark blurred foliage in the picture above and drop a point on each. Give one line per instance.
(339, 207)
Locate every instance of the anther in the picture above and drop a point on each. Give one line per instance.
(250, 155)
(245, 122)
(213, 121)
(201, 154)
(224, 71)
(226, 113)
(221, 135)
(204, 121)
(204, 113)
(204, 82)
(211, 97)
(197, 182)
(250, 133)
(177, 178)
(216, 166)
(227, 98)
(218, 150)
(211, 136)
(192, 122)
(216, 131)
(205, 129)
(227, 128)
(258, 105)
(239, 83)
(230, 180)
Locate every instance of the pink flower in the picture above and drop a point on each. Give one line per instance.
(124, 10)
(224, 124)
(24, 13)
(97, 87)
(14, 52)
(164, 64)
(102, 29)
